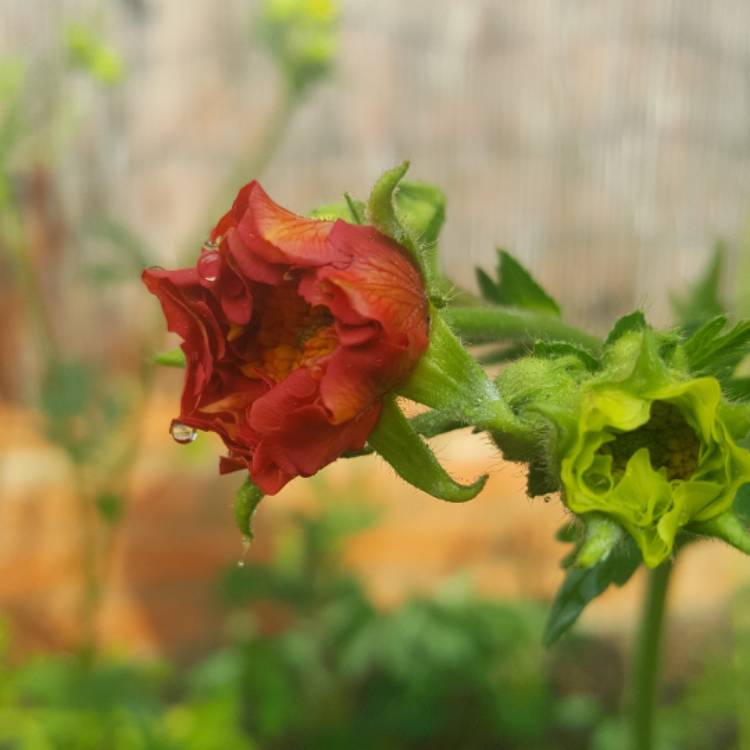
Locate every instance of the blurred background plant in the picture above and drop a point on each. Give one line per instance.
(311, 661)
(92, 406)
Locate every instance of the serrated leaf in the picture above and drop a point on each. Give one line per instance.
(634, 321)
(710, 353)
(399, 444)
(582, 585)
(172, 358)
(518, 288)
(487, 287)
(702, 300)
(737, 389)
(246, 500)
(554, 349)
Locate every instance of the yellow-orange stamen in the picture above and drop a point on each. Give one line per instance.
(286, 333)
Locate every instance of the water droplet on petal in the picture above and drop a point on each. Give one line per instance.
(209, 265)
(182, 433)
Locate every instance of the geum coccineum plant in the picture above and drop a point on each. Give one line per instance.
(298, 333)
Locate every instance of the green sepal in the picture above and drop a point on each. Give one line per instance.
(516, 287)
(634, 321)
(412, 213)
(395, 440)
(503, 354)
(582, 585)
(172, 358)
(246, 500)
(703, 299)
(381, 211)
(556, 349)
(349, 209)
(420, 209)
(727, 527)
(447, 378)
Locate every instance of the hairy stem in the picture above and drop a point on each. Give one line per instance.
(646, 659)
(478, 325)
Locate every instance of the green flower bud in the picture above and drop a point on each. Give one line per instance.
(638, 441)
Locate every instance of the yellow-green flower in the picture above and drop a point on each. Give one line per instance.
(652, 448)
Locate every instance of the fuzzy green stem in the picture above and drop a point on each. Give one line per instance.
(646, 660)
(478, 325)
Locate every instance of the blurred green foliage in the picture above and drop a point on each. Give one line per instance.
(302, 36)
(89, 53)
(329, 670)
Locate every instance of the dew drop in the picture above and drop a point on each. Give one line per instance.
(208, 265)
(240, 563)
(182, 433)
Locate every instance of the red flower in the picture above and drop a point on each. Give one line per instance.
(293, 331)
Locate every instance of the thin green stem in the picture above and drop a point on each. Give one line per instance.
(478, 325)
(646, 660)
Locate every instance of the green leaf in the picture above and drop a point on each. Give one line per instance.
(172, 358)
(702, 300)
(487, 287)
(399, 444)
(582, 585)
(246, 500)
(555, 349)
(634, 321)
(710, 353)
(381, 212)
(434, 423)
(737, 389)
(517, 288)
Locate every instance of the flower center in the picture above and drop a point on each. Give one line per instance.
(671, 442)
(285, 333)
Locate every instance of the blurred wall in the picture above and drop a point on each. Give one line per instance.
(606, 143)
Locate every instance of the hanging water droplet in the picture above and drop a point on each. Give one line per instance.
(182, 433)
(240, 563)
(209, 265)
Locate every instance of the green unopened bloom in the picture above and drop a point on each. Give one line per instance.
(637, 439)
(655, 459)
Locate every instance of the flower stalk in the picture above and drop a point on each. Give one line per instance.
(646, 659)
